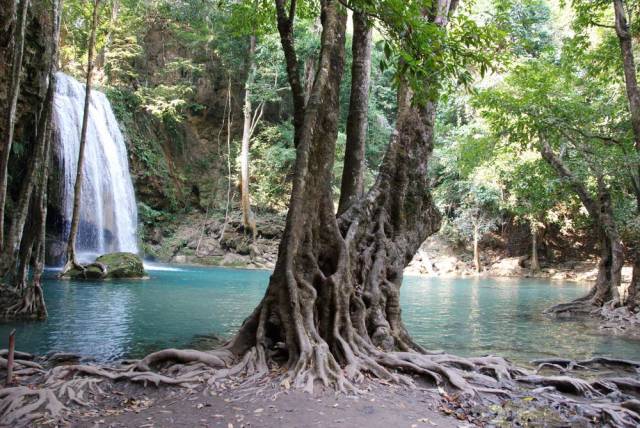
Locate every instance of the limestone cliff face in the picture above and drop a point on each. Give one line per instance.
(178, 165)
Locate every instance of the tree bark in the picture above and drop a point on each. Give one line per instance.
(77, 190)
(285, 29)
(32, 205)
(633, 299)
(633, 96)
(248, 219)
(309, 75)
(352, 186)
(14, 91)
(24, 207)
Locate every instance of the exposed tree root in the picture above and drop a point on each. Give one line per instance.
(30, 305)
(20, 406)
(565, 384)
(566, 364)
(20, 362)
(214, 359)
(613, 400)
(17, 354)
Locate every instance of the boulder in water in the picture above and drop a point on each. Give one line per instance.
(112, 265)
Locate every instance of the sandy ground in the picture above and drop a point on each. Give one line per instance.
(379, 406)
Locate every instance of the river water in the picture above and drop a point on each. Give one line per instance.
(176, 307)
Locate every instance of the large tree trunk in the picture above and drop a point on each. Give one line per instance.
(332, 307)
(72, 261)
(333, 300)
(352, 185)
(14, 91)
(248, 219)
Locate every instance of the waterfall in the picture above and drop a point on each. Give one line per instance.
(108, 214)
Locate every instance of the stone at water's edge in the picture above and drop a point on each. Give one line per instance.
(118, 265)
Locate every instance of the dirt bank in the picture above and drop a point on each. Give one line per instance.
(437, 257)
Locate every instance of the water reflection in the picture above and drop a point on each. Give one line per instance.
(115, 319)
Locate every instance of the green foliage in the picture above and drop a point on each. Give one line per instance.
(427, 54)
(166, 102)
(272, 159)
(527, 24)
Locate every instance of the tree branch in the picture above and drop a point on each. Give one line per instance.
(285, 28)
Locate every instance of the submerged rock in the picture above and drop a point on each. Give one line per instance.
(112, 265)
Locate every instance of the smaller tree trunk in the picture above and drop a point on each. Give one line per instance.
(248, 219)
(476, 249)
(77, 190)
(102, 55)
(633, 298)
(229, 126)
(285, 29)
(14, 91)
(352, 186)
(535, 262)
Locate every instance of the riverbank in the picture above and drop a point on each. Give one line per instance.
(58, 390)
(211, 240)
(207, 240)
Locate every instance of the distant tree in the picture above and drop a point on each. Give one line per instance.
(478, 215)
(542, 107)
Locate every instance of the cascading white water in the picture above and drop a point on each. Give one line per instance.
(108, 213)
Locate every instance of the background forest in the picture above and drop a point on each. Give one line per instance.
(172, 68)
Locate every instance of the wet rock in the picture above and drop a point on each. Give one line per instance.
(112, 265)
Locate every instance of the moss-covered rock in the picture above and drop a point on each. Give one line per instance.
(112, 265)
(122, 265)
